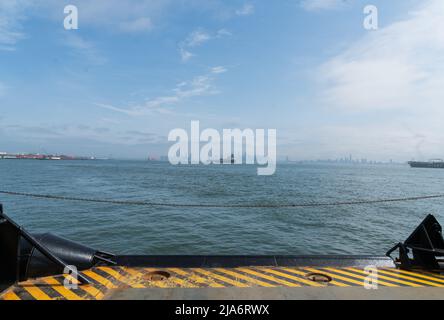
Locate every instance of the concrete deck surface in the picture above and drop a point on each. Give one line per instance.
(303, 293)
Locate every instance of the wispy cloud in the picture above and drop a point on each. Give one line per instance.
(398, 70)
(246, 10)
(400, 66)
(133, 16)
(218, 69)
(62, 132)
(198, 38)
(11, 17)
(317, 5)
(198, 86)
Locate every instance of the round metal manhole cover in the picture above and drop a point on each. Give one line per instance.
(157, 276)
(319, 277)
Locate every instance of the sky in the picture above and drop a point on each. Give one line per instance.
(136, 69)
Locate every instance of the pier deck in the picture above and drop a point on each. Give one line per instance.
(244, 279)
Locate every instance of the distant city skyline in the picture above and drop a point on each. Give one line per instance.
(156, 157)
(135, 70)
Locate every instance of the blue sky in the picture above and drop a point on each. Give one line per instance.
(134, 70)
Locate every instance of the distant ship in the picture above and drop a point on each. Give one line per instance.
(232, 160)
(435, 163)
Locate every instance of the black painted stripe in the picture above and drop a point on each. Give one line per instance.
(109, 277)
(79, 291)
(22, 293)
(49, 290)
(271, 275)
(186, 278)
(417, 279)
(385, 280)
(294, 275)
(343, 281)
(226, 275)
(204, 277)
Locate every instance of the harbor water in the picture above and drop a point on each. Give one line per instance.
(126, 229)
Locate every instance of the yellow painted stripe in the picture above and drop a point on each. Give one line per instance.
(244, 277)
(388, 284)
(417, 274)
(105, 282)
(335, 276)
(134, 273)
(67, 294)
(393, 279)
(144, 282)
(274, 279)
(89, 288)
(120, 277)
(221, 278)
(36, 293)
(10, 295)
(197, 279)
(433, 274)
(286, 275)
(139, 275)
(183, 283)
(391, 273)
(298, 272)
(93, 291)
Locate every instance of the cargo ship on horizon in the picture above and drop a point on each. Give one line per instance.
(434, 163)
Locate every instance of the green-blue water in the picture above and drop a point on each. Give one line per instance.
(364, 229)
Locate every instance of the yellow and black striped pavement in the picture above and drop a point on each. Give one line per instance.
(105, 279)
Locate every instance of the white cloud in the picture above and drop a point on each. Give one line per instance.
(195, 39)
(246, 10)
(316, 5)
(223, 33)
(397, 73)
(198, 38)
(116, 15)
(185, 54)
(218, 69)
(395, 67)
(198, 86)
(11, 17)
(125, 16)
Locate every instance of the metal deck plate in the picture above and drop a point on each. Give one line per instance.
(107, 281)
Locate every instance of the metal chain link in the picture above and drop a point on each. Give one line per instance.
(178, 205)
